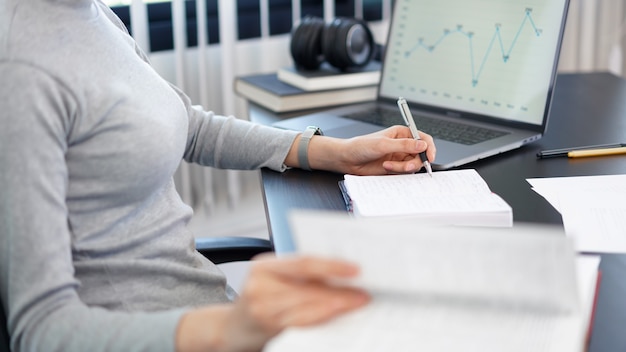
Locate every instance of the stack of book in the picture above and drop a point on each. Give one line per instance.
(290, 89)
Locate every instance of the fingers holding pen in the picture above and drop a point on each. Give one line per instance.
(431, 149)
(405, 152)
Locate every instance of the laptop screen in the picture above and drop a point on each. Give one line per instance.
(495, 58)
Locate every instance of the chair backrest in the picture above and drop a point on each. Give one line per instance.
(4, 333)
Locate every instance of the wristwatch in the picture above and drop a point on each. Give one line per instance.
(303, 146)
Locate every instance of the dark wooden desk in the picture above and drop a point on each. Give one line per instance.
(588, 109)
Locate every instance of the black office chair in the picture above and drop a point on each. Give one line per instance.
(4, 334)
(217, 249)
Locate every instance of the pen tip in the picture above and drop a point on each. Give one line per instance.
(429, 169)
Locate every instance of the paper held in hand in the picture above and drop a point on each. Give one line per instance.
(459, 197)
(441, 288)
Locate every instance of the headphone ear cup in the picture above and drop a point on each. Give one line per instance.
(347, 43)
(306, 43)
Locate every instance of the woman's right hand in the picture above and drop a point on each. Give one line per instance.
(279, 293)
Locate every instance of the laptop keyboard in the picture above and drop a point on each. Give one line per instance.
(450, 131)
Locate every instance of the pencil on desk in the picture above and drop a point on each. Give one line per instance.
(596, 152)
(564, 152)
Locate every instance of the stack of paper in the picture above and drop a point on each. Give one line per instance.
(449, 288)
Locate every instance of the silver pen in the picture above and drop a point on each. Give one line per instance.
(408, 119)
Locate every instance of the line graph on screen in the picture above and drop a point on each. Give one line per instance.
(492, 57)
(496, 42)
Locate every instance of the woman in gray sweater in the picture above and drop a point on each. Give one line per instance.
(94, 249)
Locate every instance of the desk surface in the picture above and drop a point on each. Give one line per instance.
(587, 109)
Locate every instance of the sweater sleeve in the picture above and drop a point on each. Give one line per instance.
(37, 283)
(227, 142)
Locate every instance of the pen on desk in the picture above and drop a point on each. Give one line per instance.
(408, 118)
(590, 150)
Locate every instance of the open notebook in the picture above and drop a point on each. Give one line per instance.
(458, 197)
(448, 288)
(478, 76)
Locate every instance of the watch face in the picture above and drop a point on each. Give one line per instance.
(316, 130)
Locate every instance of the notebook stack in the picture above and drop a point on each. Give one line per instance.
(291, 89)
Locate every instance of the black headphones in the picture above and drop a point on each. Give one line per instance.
(344, 43)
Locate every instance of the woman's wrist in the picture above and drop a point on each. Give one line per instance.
(323, 153)
(203, 329)
(326, 153)
(219, 328)
(303, 146)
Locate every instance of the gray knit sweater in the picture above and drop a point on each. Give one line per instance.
(94, 250)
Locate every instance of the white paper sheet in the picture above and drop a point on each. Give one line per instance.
(592, 207)
(441, 288)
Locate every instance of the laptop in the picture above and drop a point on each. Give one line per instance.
(478, 76)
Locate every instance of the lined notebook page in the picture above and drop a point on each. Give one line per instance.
(458, 193)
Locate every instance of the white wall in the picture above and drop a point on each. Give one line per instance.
(594, 36)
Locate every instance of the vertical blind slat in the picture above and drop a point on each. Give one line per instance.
(358, 9)
(265, 18)
(139, 24)
(179, 24)
(202, 31)
(296, 12)
(329, 10)
(180, 47)
(227, 14)
(386, 10)
(208, 196)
